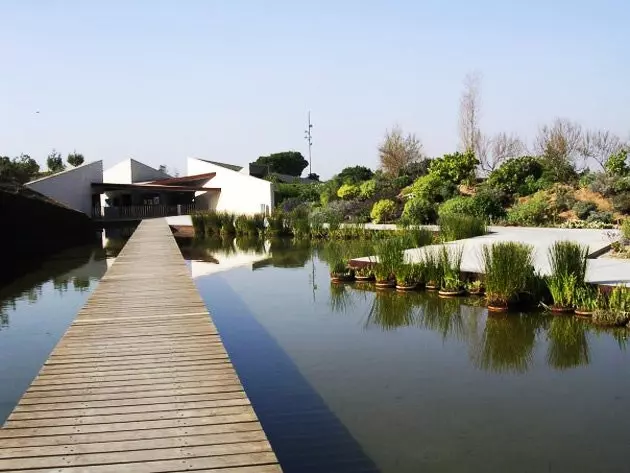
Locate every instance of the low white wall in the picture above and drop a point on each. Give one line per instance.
(73, 187)
(240, 193)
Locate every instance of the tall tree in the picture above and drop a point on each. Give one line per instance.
(286, 162)
(75, 159)
(470, 137)
(21, 169)
(54, 162)
(600, 145)
(398, 151)
(501, 147)
(355, 174)
(560, 145)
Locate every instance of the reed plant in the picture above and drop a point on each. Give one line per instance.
(199, 224)
(432, 268)
(249, 225)
(613, 309)
(586, 298)
(508, 268)
(390, 254)
(567, 261)
(459, 227)
(451, 263)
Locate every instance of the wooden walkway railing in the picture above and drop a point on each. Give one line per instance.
(140, 382)
(139, 212)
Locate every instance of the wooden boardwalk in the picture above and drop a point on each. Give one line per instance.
(140, 382)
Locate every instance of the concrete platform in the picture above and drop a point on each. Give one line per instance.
(600, 271)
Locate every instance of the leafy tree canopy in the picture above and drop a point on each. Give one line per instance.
(515, 175)
(54, 162)
(355, 174)
(75, 159)
(455, 168)
(616, 164)
(286, 162)
(21, 169)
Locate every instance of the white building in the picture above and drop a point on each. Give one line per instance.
(131, 190)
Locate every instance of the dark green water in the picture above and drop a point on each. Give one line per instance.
(347, 379)
(412, 382)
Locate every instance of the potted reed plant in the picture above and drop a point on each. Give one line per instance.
(406, 277)
(614, 309)
(340, 272)
(475, 288)
(567, 261)
(364, 273)
(508, 267)
(384, 277)
(586, 298)
(450, 262)
(432, 269)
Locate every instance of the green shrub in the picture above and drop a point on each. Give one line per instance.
(488, 203)
(621, 202)
(418, 211)
(383, 211)
(509, 270)
(604, 184)
(517, 176)
(565, 198)
(586, 178)
(457, 206)
(430, 188)
(616, 164)
(348, 191)
(536, 211)
(583, 209)
(600, 217)
(625, 229)
(454, 168)
(458, 227)
(367, 189)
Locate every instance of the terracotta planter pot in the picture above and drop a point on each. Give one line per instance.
(497, 308)
(406, 288)
(561, 310)
(340, 279)
(364, 278)
(584, 313)
(431, 287)
(443, 293)
(385, 284)
(479, 292)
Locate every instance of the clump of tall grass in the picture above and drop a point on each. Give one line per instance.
(509, 269)
(459, 227)
(613, 309)
(277, 224)
(249, 225)
(417, 237)
(567, 261)
(390, 255)
(199, 224)
(432, 267)
(216, 221)
(451, 263)
(586, 298)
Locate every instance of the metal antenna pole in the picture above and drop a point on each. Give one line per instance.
(309, 139)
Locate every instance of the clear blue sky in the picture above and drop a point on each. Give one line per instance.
(231, 80)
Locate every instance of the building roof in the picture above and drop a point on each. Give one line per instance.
(231, 167)
(113, 186)
(185, 179)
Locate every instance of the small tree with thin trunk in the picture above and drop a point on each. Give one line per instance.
(398, 151)
(600, 145)
(54, 162)
(501, 147)
(469, 114)
(75, 159)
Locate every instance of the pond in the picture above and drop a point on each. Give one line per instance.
(348, 379)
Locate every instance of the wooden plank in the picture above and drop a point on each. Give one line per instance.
(140, 382)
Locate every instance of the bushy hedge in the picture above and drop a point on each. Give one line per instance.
(367, 189)
(431, 188)
(583, 209)
(418, 212)
(536, 211)
(383, 211)
(517, 176)
(348, 191)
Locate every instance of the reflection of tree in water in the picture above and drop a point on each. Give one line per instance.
(507, 343)
(443, 315)
(390, 310)
(60, 283)
(287, 253)
(81, 284)
(568, 343)
(340, 298)
(251, 244)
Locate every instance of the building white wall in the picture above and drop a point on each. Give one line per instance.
(130, 171)
(142, 173)
(240, 193)
(72, 187)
